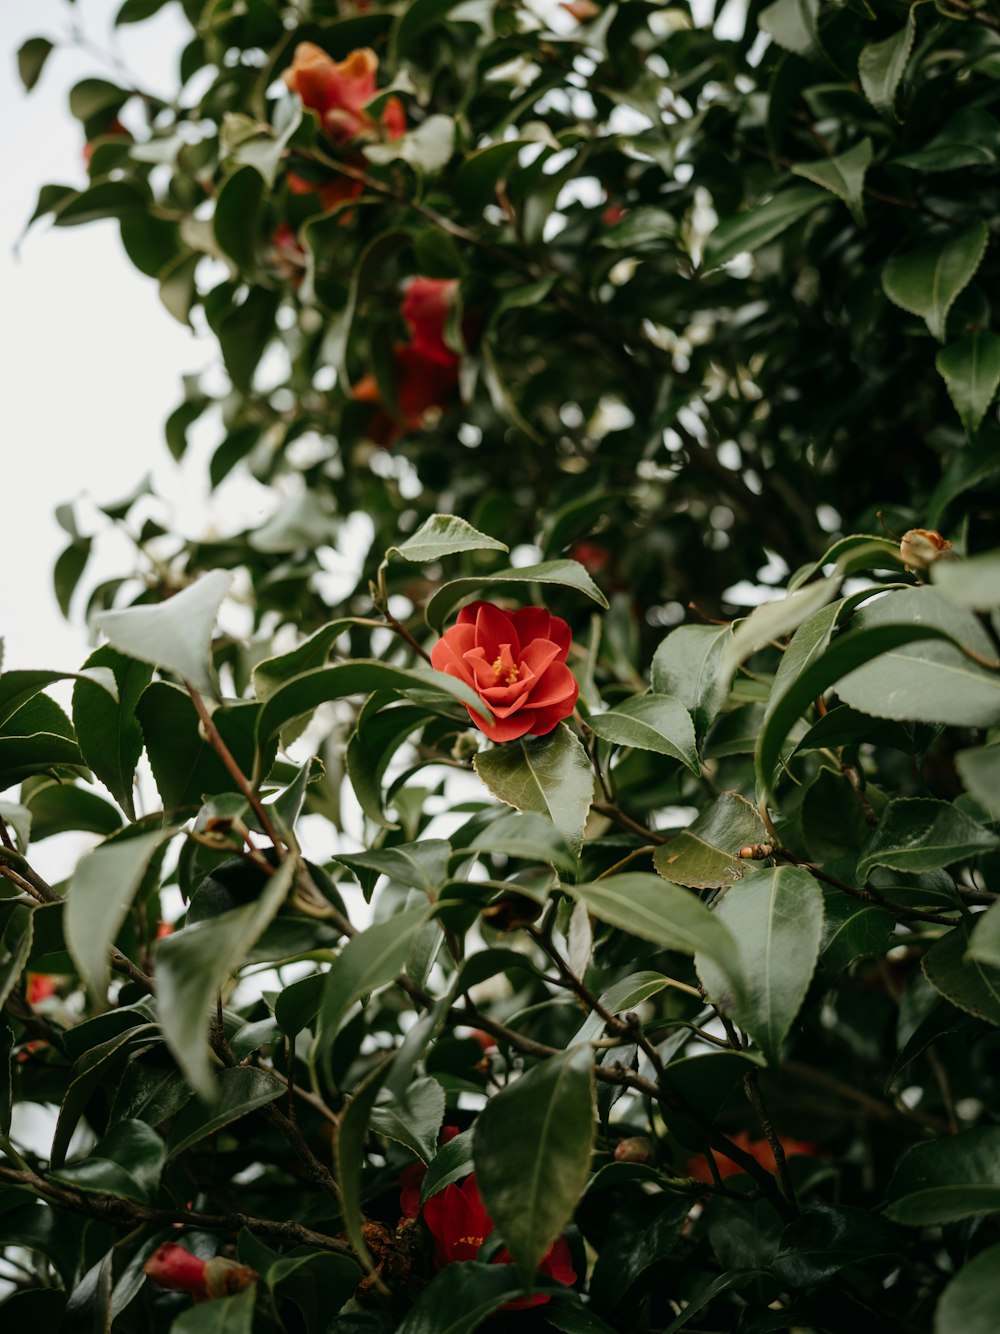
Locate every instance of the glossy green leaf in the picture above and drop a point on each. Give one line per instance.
(15, 946)
(852, 930)
(238, 1092)
(126, 1162)
(135, 11)
(176, 634)
(193, 965)
(971, 370)
(881, 66)
(970, 138)
(371, 749)
(18, 687)
(272, 673)
(225, 1315)
(99, 1063)
(689, 664)
(650, 908)
(349, 1157)
(926, 281)
(109, 735)
(422, 865)
(530, 1183)
(31, 58)
(529, 837)
(186, 768)
(414, 1119)
(979, 770)
(100, 894)
(622, 996)
(775, 917)
(843, 175)
(947, 1179)
(658, 723)
(104, 199)
(774, 620)
(706, 854)
(962, 977)
(244, 332)
(920, 834)
(549, 775)
(973, 583)
(970, 1302)
(560, 573)
(828, 1238)
(302, 694)
(747, 232)
(443, 535)
(461, 1297)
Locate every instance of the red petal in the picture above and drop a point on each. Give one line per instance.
(558, 686)
(493, 630)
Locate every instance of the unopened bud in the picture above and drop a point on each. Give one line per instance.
(466, 745)
(582, 10)
(921, 547)
(511, 911)
(635, 1149)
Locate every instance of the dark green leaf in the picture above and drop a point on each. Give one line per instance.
(747, 232)
(548, 775)
(652, 722)
(237, 1093)
(109, 735)
(31, 58)
(920, 834)
(926, 281)
(560, 573)
(947, 1179)
(225, 1315)
(881, 66)
(689, 664)
(461, 1297)
(954, 970)
(706, 854)
(826, 1239)
(414, 1119)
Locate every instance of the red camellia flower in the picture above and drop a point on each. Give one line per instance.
(40, 987)
(426, 307)
(340, 90)
(457, 1220)
(332, 193)
(758, 1148)
(411, 1179)
(516, 664)
(176, 1269)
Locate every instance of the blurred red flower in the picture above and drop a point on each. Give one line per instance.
(457, 1220)
(426, 306)
(516, 664)
(757, 1148)
(340, 90)
(40, 987)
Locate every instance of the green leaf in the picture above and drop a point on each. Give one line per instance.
(135, 11)
(31, 58)
(100, 895)
(775, 918)
(106, 729)
(792, 24)
(562, 573)
(970, 1302)
(317, 1282)
(193, 964)
(648, 907)
(961, 977)
(881, 66)
(18, 687)
(413, 1119)
(443, 535)
(531, 1182)
(104, 199)
(971, 370)
(428, 148)
(244, 332)
(461, 1297)
(706, 854)
(970, 138)
(529, 837)
(474, 184)
(422, 865)
(550, 775)
(624, 995)
(313, 652)
(127, 1162)
(774, 620)
(237, 1092)
(370, 751)
(369, 960)
(302, 694)
(926, 281)
(927, 682)
(349, 1157)
(15, 947)
(971, 583)
(175, 635)
(97, 1064)
(237, 219)
(979, 770)
(748, 231)
(826, 1239)
(843, 175)
(185, 766)
(852, 930)
(653, 722)
(856, 551)
(947, 1179)
(921, 834)
(689, 664)
(67, 573)
(225, 1315)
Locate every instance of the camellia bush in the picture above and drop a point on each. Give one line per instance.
(543, 876)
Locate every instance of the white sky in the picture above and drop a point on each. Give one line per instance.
(91, 362)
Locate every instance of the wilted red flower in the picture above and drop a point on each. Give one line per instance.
(516, 664)
(340, 89)
(174, 1268)
(457, 1220)
(921, 547)
(758, 1148)
(426, 306)
(39, 987)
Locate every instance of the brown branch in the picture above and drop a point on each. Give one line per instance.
(868, 896)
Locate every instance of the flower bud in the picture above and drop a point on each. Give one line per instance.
(466, 745)
(921, 547)
(177, 1270)
(635, 1149)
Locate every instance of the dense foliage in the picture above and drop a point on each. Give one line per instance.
(498, 923)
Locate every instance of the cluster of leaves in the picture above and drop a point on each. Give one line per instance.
(707, 976)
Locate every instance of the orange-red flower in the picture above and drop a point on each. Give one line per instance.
(332, 193)
(411, 1179)
(340, 90)
(757, 1148)
(457, 1220)
(176, 1269)
(426, 306)
(40, 987)
(515, 662)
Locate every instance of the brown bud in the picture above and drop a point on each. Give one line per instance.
(635, 1149)
(921, 547)
(224, 1278)
(511, 911)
